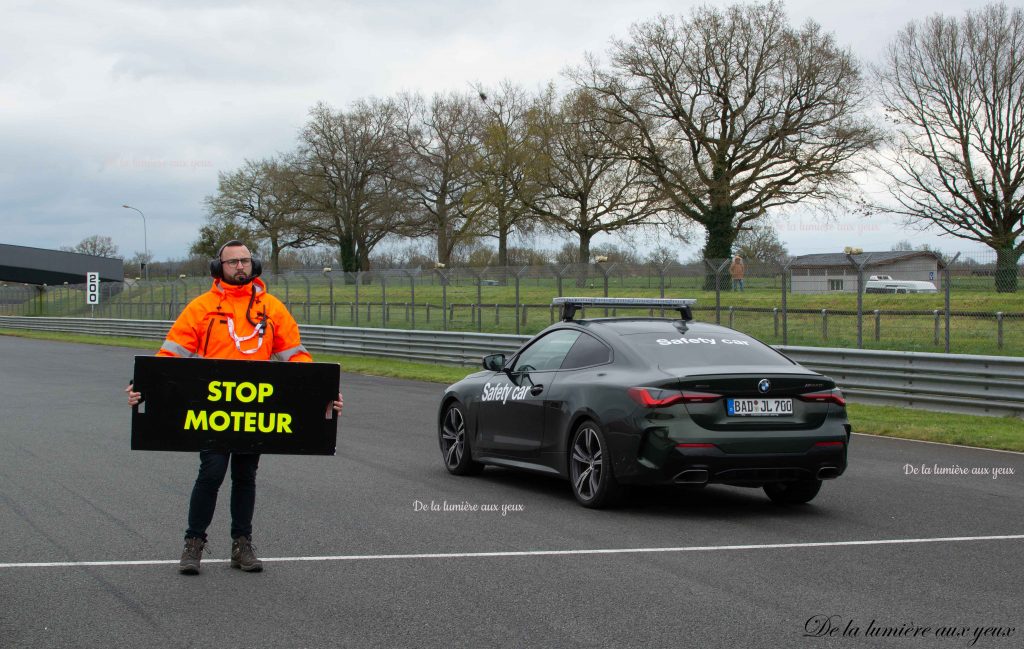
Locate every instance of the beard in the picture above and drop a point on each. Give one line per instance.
(237, 278)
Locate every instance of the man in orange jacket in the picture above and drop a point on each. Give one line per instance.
(235, 319)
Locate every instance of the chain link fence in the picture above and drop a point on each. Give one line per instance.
(913, 303)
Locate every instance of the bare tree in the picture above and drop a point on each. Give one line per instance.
(499, 168)
(348, 163)
(438, 149)
(955, 89)
(760, 243)
(263, 198)
(97, 245)
(583, 187)
(736, 112)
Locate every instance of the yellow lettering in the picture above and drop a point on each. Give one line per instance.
(219, 420)
(266, 422)
(284, 421)
(237, 416)
(228, 388)
(195, 420)
(250, 422)
(265, 390)
(214, 391)
(249, 392)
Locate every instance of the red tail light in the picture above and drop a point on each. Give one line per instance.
(832, 396)
(655, 398)
(695, 445)
(828, 443)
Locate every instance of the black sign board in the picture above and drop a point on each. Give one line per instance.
(193, 404)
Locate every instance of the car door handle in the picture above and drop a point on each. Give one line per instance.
(537, 389)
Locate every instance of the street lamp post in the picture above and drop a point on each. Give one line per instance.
(145, 237)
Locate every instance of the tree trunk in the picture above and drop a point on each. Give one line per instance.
(443, 243)
(721, 233)
(347, 255)
(275, 254)
(1006, 268)
(502, 246)
(584, 261)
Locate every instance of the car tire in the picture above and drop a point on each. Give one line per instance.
(793, 493)
(590, 468)
(454, 441)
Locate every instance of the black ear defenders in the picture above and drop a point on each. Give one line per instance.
(217, 266)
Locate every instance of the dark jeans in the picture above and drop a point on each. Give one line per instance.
(213, 466)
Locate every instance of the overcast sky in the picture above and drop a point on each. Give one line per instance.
(112, 102)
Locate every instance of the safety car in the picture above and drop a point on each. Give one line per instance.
(613, 401)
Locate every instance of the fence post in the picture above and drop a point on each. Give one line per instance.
(359, 280)
(999, 329)
(519, 276)
(878, 325)
(718, 287)
(444, 301)
(824, 324)
(384, 301)
(309, 298)
(412, 292)
(330, 291)
(935, 313)
(775, 319)
(947, 271)
(731, 312)
(786, 279)
(860, 296)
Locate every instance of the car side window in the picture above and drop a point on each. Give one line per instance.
(548, 352)
(587, 351)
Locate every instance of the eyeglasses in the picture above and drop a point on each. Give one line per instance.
(241, 261)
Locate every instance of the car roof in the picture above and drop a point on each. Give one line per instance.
(630, 326)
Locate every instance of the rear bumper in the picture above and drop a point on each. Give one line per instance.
(664, 461)
(711, 466)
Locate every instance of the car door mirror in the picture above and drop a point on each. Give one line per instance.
(494, 362)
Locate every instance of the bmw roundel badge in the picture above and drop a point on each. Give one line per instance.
(764, 385)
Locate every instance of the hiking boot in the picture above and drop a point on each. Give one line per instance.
(191, 556)
(243, 555)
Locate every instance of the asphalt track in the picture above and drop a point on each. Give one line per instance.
(90, 533)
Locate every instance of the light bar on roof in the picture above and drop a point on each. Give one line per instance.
(623, 302)
(569, 305)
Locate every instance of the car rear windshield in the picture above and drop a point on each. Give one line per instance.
(692, 349)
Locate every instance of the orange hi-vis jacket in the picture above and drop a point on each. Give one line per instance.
(214, 325)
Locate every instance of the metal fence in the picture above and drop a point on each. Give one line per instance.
(989, 385)
(835, 304)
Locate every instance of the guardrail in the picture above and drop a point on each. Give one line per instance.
(987, 385)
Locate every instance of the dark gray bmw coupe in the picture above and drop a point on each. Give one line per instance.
(639, 400)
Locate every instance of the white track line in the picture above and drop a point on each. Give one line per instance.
(924, 441)
(531, 553)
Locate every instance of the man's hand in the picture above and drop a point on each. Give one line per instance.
(335, 405)
(134, 398)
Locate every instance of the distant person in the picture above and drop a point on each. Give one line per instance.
(236, 319)
(737, 269)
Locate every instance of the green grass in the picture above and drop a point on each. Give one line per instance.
(1006, 433)
(985, 432)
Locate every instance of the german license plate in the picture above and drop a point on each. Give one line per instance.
(759, 407)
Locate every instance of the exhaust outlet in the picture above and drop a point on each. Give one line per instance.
(693, 476)
(828, 473)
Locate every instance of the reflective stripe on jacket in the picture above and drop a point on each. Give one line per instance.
(214, 325)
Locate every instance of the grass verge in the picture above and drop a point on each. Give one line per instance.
(1005, 433)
